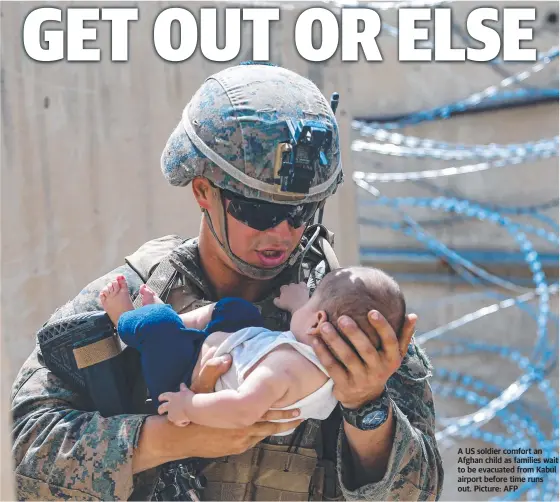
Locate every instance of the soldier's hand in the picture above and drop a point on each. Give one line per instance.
(359, 370)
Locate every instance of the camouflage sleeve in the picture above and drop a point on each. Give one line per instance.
(61, 450)
(415, 470)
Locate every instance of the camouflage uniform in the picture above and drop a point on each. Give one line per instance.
(64, 449)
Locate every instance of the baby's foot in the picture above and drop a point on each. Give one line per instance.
(148, 296)
(115, 298)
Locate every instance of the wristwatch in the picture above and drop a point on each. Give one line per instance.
(371, 415)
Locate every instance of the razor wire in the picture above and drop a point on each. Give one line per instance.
(435, 203)
(496, 408)
(451, 171)
(531, 211)
(420, 148)
(504, 405)
(489, 403)
(534, 211)
(491, 93)
(519, 422)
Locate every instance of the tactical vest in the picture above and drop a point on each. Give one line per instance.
(297, 467)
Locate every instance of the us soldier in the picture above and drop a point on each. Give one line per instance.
(260, 145)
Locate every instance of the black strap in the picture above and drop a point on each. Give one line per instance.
(160, 281)
(329, 434)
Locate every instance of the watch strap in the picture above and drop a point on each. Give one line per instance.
(371, 415)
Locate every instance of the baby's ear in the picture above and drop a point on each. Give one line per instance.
(320, 318)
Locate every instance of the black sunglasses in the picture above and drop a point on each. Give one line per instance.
(264, 215)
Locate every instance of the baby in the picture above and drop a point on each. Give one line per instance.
(270, 369)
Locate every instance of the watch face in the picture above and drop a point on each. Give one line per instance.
(374, 419)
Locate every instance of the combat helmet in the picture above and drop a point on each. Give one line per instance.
(260, 132)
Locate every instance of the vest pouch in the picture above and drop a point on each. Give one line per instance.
(106, 386)
(84, 351)
(265, 472)
(324, 485)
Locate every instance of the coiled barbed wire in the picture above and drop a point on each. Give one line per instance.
(471, 425)
(465, 104)
(422, 148)
(534, 211)
(491, 403)
(454, 170)
(427, 203)
(499, 405)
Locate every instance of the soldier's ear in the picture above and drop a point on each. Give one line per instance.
(203, 192)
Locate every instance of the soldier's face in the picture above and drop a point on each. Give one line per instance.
(266, 249)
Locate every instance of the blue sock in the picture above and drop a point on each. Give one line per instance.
(233, 314)
(169, 351)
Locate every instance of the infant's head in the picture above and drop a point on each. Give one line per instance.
(353, 291)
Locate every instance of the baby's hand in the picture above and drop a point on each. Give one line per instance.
(292, 297)
(174, 406)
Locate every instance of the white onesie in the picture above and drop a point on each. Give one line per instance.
(248, 345)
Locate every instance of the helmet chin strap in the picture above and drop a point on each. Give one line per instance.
(242, 266)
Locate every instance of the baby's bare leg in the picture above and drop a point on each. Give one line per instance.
(196, 319)
(115, 298)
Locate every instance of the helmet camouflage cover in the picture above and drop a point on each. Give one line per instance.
(231, 128)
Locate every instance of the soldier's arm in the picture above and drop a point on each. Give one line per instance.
(414, 470)
(62, 448)
(63, 451)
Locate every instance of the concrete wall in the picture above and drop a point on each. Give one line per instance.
(81, 145)
(81, 185)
